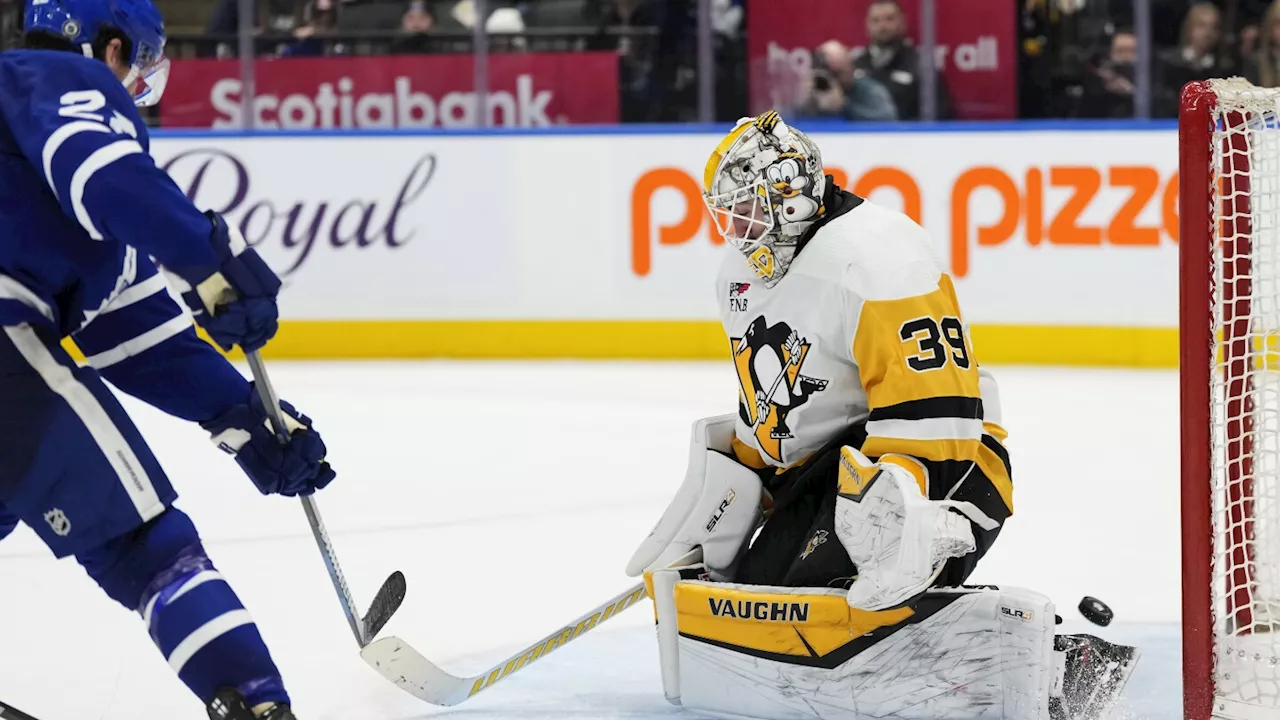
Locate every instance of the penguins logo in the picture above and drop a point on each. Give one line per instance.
(768, 360)
(818, 538)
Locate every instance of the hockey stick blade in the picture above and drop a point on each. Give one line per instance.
(398, 662)
(9, 712)
(385, 604)
(391, 594)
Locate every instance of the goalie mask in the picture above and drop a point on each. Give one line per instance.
(764, 186)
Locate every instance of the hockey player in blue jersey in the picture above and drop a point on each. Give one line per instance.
(89, 228)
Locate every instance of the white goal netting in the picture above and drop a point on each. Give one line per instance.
(1245, 201)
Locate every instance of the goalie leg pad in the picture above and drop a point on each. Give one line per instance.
(161, 571)
(778, 653)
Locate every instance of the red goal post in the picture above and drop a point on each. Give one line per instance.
(1229, 287)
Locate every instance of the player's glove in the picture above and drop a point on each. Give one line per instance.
(236, 304)
(298, 468)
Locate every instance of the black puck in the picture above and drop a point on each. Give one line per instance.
(1096, 611)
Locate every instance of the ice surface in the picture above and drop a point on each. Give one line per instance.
(512, 495)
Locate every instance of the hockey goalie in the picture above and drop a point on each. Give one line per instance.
(840, 510)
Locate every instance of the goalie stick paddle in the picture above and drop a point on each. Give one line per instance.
(410, 671)
(392, 592)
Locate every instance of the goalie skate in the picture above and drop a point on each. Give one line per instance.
(1095, 674)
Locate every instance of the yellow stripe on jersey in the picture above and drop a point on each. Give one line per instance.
(794, 624)
(993, 462)
(747, 455)
(995, 431)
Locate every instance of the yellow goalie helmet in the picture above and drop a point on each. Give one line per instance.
(764, 185)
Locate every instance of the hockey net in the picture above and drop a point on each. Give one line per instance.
(1229, 137)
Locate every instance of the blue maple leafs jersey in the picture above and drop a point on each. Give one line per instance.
(85, 215)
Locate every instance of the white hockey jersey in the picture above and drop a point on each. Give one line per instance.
(865, 326)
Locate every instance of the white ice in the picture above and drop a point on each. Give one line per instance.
(512, 495)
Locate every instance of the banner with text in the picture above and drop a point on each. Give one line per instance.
(430, 227)
(399, 91)
(976, 50)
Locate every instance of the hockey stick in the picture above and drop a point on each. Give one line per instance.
(392, 592)
(423, 679)
(9, 712)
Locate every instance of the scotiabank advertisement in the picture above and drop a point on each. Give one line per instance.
(408, 91)
(976, 47)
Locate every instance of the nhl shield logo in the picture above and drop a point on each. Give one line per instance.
(58, 522)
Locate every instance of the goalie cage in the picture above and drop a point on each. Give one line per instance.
(1229, 203)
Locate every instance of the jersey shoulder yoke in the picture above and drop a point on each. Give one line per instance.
(874, 252)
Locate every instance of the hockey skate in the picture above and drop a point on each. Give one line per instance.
(1095, 674)
(228, 704)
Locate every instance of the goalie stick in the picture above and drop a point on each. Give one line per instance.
(418, 676)
(392, 592)
(9, 712)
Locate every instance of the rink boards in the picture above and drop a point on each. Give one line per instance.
(596, 244)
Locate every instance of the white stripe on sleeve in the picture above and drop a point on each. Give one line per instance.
(141, 343)
(11, 289)
(206, 634)
(134, 293)
(60, 136)
(196, 581)
(110, 441)
(192, 583)
(100, 158)
(927, 429)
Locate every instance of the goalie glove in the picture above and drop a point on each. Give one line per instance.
(899, 539)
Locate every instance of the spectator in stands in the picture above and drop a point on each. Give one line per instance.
(317, 19)
(370, 15)
(834, 91)
(10, 22)
(505, 26)
(892, 60)
(1198, 57)
(1108, 89)
(417, 22)
(619, 27)
(1263, 66)
(280, 16)
(1248, 45)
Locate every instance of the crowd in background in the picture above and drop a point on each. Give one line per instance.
(1076, 58)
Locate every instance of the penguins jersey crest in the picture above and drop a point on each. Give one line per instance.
(864, 327)
(769, 360)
